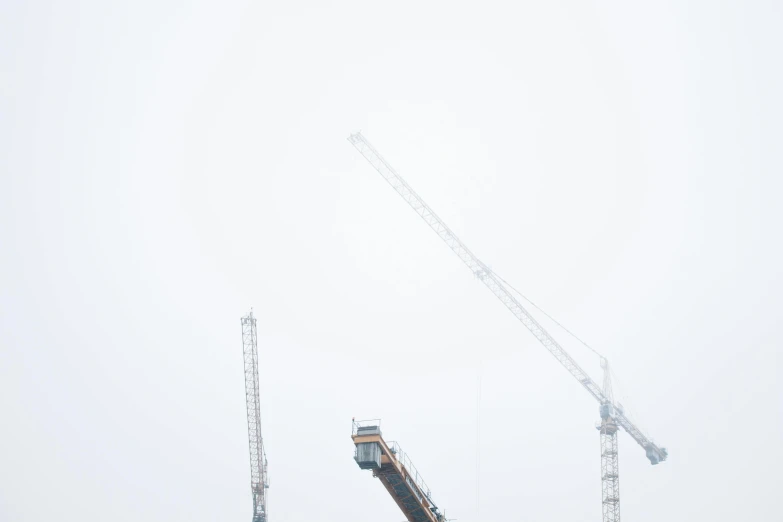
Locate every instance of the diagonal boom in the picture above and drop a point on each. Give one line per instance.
(492, 282)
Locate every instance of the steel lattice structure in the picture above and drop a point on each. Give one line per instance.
(612, 415)
(610, 469)
(258, 474)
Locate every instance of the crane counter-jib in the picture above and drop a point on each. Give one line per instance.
(396, 472)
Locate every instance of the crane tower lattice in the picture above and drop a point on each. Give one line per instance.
(258, 464)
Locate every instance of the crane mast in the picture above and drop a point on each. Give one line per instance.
(610, 465)
(612, 416)
(258, 464)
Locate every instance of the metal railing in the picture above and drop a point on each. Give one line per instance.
(413, 473)
(403, 459)
(372, 423)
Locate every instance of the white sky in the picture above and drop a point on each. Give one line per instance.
(165, 166)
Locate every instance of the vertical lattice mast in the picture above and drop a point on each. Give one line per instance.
(610, 480)
(258, 478)
(610, 466)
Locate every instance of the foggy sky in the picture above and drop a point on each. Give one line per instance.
(166, 166)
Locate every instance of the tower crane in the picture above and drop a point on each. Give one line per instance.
(258, 476)
(612, 414)
(396, 472)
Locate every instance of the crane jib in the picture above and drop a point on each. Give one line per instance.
(654, 453)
